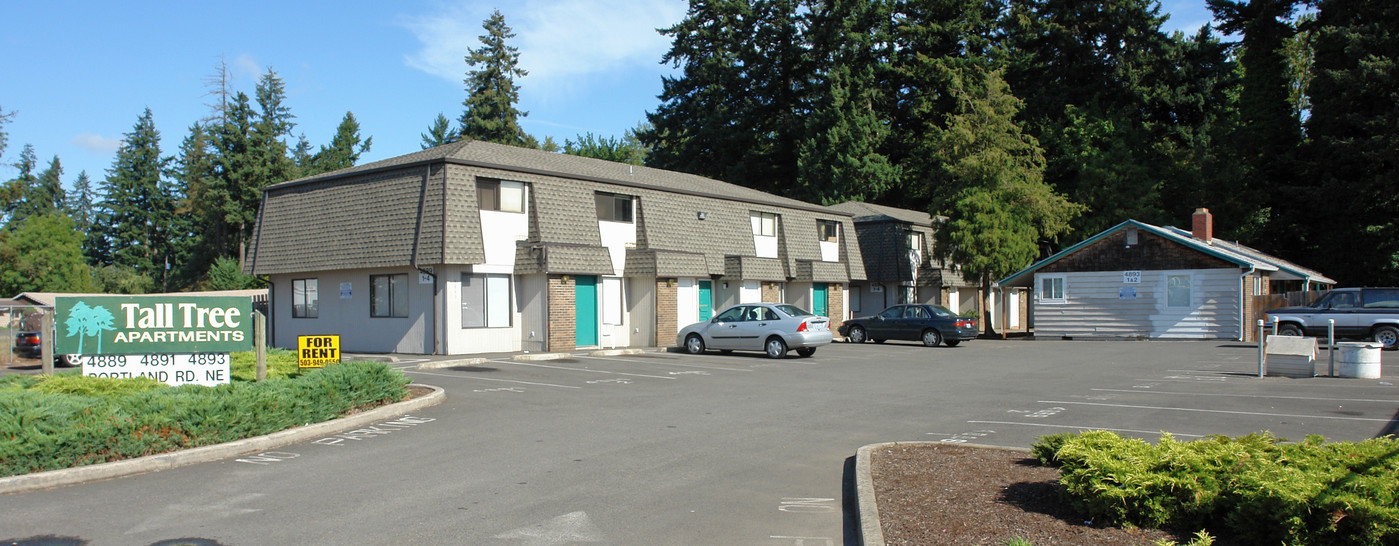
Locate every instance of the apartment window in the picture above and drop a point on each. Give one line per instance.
(828, 231)
(388, 295)
(1052, 289)
(485, 301)
(305, 298)
(498, 195)
(1178, 291)
(764, 224)
(612, 207)
(915, 241)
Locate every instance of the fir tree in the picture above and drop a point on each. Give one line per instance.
(344, 148)
(138, 207)
(439, 133)
(79, 205)
(489, 109)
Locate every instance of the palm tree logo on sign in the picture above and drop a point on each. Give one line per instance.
(84, 320)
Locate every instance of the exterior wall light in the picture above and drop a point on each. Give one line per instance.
(702, 215)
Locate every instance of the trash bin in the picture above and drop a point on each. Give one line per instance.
(1358, 359)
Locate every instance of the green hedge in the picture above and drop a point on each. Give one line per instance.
(68, 420)
(1257, 487)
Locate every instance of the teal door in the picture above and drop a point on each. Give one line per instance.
(585, 310)
(818, 298)
(706, 300)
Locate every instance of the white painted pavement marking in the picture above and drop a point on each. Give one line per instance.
(803, 541)
(1380, 400)
(807, 505)
(491, 379)
(1083, 428)
(513, 363)
(1261, 414)
(571, 527)
(676, 365)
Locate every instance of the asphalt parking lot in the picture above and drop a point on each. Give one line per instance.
(671, 448)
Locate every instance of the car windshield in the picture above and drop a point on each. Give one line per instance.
(792, 310)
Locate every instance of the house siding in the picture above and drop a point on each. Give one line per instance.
(1096, 307)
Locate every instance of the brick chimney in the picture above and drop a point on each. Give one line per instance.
(1202, 225)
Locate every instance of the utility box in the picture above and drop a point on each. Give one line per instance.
(1291, 356)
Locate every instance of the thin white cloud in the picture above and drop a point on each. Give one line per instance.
(246, 67)
(558, 39)
(96, 144)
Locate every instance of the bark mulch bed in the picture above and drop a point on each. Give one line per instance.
(950, 494)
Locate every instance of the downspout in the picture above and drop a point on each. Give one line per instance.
(413, 258)
(1243, 320)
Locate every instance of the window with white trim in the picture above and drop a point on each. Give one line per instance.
(764, 224)
(828, 231)
(613, 207)
(485, 301)
(1052, 289)
(1177, 290)
(305, 298)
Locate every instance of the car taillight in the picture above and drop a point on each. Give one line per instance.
(801, 327)
(966, 324)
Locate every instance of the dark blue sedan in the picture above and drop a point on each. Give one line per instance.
(931, 324)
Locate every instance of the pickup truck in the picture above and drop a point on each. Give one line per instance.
(1365, 313)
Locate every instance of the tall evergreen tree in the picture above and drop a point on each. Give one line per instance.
(5, 118)
(234, 191)
(79, 205)
(1354, 148)
(1270, 129)
(1002, 209)
(138, 207)
(14, 191)
(736, 113)
(439, 133)
(489, 109)
(344, 148)
(621, 150)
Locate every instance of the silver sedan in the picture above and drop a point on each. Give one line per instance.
(770, 327)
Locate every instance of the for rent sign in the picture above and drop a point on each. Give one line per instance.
(152, 325)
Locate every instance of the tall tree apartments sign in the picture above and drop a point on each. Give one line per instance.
(174, 339)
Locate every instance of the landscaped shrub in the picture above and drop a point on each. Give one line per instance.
(45, 431)
(1260, 489)
(1045, 448)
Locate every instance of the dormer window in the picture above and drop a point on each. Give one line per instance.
(499, 195)
(612, 207)
(828, 231)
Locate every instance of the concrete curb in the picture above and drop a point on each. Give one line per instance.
(871, 532)
(437, 364)
(618, 352)
(166, 461)
(531, 357)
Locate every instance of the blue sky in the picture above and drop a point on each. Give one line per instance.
(79, 74)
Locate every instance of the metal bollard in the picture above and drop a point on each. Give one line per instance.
(1275, 325)
(1260, 347)
(1331, 347)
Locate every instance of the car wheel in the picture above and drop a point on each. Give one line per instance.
(857, 335)
(1289, 329)
(1388, 336)
(932, 338)
(776, 348)
(952, 342)
(694, 344)
(806, 351)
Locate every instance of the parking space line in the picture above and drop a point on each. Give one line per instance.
(492, 379)
(675, 365)
(1217, 411)
(1088, 428)
(513, 363)
(1143, 391)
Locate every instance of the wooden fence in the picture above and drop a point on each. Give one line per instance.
(1263, 304)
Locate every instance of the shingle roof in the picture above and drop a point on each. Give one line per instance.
(870, 212)
(1219, 248)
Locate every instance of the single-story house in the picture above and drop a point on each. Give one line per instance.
(474, 247)
(1137, 280)
(902, 266)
